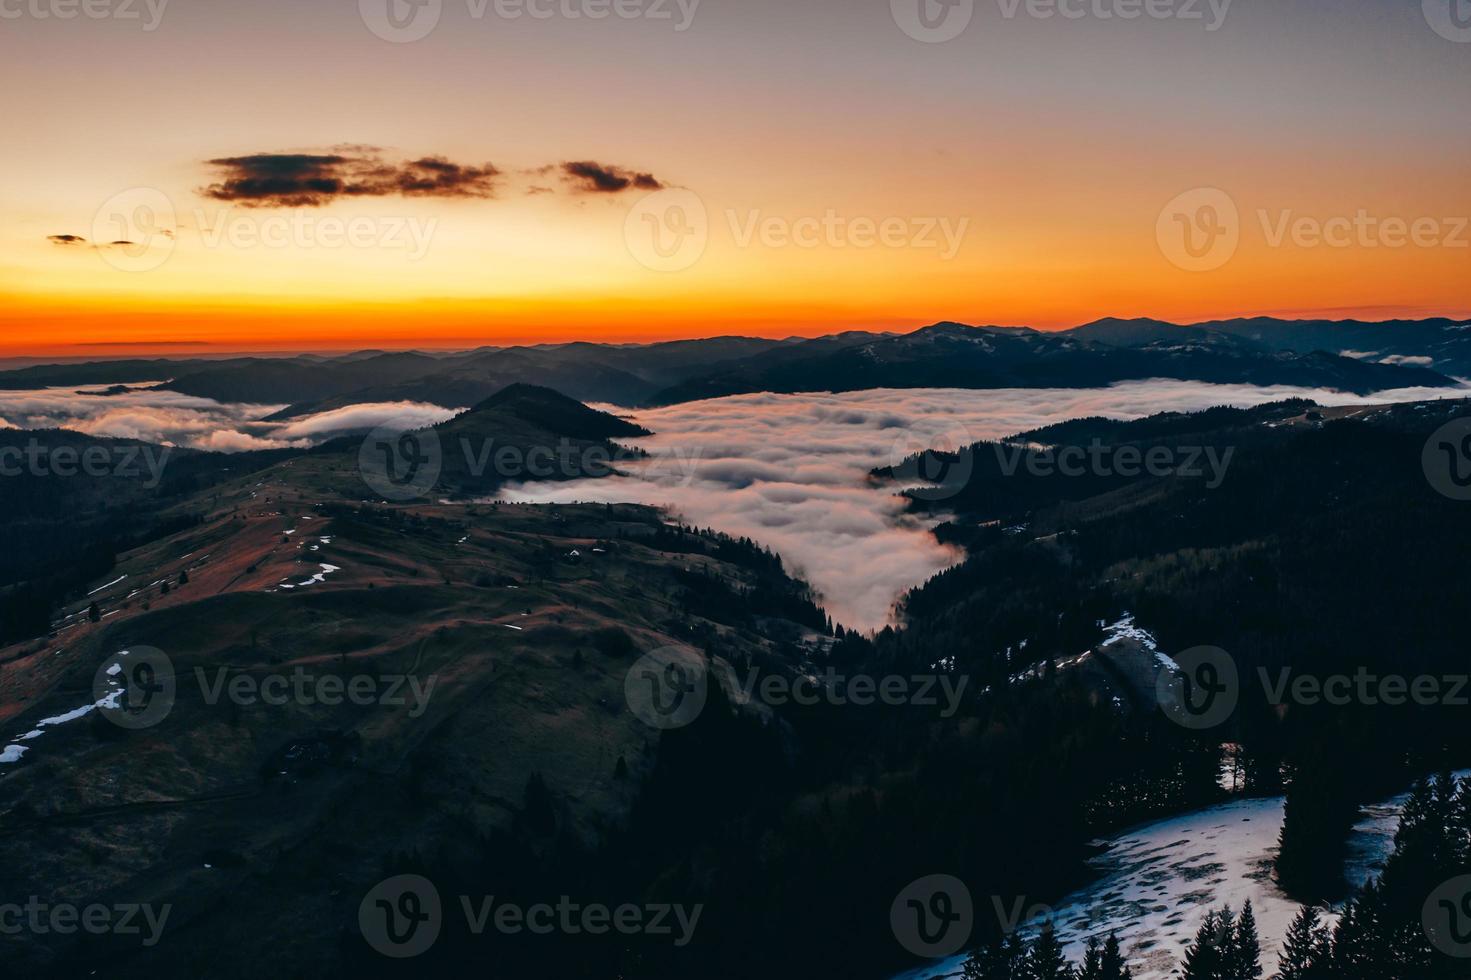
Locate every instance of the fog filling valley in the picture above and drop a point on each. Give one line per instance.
(789, 471)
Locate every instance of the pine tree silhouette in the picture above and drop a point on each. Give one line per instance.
(1244, 955)
(1305, 949)
(1113, 966)
(1045, 961)
(1092, 961)
(1207, 957)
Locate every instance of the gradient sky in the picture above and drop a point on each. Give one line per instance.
(1054, 143)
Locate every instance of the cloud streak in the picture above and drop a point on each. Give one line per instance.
(596, 178)
(172, 419)
(313, 180)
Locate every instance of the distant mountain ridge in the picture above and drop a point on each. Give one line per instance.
(953, 355)
(1347, 355)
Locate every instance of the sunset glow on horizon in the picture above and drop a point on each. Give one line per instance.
(498, 180)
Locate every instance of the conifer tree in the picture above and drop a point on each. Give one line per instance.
(1004, 959)
(1114, 967)
(1206, 957)
(1305, 950)
(1244, 951)
(1092, 961)
(1045, 961)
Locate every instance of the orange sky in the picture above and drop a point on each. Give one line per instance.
(1024, 173)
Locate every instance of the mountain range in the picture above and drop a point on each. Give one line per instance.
(1345, 355)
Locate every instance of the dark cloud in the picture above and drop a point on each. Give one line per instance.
(311, 179)
(66, 239)
(596, 178)
(438, 177)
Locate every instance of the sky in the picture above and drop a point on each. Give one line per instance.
(190, 176)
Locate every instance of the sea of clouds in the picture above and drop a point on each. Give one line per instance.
(791, 471)
(169, 418)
